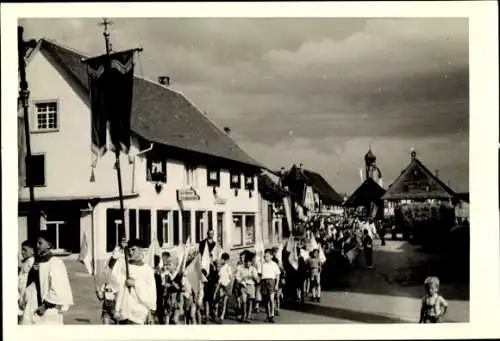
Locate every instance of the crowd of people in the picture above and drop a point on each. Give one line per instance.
(203, 284)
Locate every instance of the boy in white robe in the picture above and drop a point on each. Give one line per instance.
(55, 296)
(137, 294)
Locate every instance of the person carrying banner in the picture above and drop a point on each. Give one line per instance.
(137, 294)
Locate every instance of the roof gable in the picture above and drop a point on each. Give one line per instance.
(160, 114)
(296, 178)
(417, 182)
(369, 191)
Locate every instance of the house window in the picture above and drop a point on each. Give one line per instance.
(156, 170)
(35, 170)
(199, 226)
(243, 229)
(249, 230)
(210, 222)
(249, 183)
(145, 227)
(114, 229)
(213, 177)
(176, 228)
(238, 230)
(162, 227)
(56, 232)
(186, 226)
(132, 224)
(220, 228)
(190, 175)
(235, 180)
(46, 116)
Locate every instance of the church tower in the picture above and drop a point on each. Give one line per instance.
(371, 170)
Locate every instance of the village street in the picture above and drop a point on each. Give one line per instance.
(388, 293)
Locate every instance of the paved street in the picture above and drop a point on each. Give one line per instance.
(389, 293)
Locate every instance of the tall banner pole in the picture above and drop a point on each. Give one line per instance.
(106, 35)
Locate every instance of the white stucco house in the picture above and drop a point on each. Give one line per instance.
(185, 175)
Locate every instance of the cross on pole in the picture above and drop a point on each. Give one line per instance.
(106, 23)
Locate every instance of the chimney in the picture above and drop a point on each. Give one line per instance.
(227, 130)
(437, 173)
(164, 80)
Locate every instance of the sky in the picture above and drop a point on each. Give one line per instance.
(316, 91)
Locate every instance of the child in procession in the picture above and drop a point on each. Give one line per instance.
(25, 266)
(279, 294)
(237, 285)
(269, 283)
(172, 302)
(246, 278)
(221, 290)
(314, 272)
(434, 306)
(188, 300)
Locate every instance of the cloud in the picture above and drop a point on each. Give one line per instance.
(338, 84)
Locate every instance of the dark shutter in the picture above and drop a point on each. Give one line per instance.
(145, 227)
(132, 224)
(176, 228)
(36, 170)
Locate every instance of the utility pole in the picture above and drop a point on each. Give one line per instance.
(22, 47)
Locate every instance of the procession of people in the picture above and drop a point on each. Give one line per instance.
(200, 283)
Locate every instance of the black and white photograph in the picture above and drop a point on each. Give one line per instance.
(244, 171)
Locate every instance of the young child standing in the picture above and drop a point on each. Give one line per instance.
(107, 295)
(279, 294)
(269, 283)
(171, 293)
(27, 261)
(246, 277)
(434, 306)
(237, 285)
(221, 290)
(314, 272)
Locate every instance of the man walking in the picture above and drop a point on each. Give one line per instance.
(137, 294)
(368, 249)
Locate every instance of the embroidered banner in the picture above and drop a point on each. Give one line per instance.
(111, 80)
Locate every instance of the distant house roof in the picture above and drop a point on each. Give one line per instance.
(369, 191)
(295, 179)
(160, 114)
(270, 190)
(416, 182)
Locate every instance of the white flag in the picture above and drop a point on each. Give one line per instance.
(85, 256)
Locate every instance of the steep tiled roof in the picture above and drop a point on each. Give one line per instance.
(295, 179)
(328, 195)
(416, 182)
(369, 191)
(160, 114)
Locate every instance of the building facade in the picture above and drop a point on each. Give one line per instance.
(182, 176)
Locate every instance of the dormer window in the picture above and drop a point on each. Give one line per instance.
(235, 180)
(156, 170)
(46, 116)
(249, 182)
(213, 177)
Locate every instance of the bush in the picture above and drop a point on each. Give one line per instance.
(427, 224)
